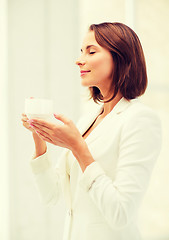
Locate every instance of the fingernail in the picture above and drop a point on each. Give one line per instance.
(30, 121)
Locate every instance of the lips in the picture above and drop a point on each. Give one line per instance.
(82, 71)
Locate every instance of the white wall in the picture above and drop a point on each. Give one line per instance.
(4, 137)
(43, 37)
(152, 26)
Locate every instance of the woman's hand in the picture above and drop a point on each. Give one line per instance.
(40, 144)
(25, 123)
(65, 135)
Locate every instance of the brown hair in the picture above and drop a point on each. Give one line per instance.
(129, 75)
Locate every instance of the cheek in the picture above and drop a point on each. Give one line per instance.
(102, 67)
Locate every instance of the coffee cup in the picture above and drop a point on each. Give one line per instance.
(38, 108)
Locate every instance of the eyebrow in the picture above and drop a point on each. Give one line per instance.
(88, 47)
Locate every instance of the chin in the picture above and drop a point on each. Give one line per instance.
(84, 83)
(87, 83)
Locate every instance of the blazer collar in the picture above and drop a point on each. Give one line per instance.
(121, 105)
(89, 119)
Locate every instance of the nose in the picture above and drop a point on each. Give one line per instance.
(80, 62)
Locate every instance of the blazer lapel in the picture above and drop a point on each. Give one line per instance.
(122, 105)
(86, 121)
(89, 119)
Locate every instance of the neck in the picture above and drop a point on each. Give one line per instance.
(110, 105)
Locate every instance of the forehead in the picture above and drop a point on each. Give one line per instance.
(89, 39)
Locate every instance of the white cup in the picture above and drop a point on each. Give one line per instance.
(38, 108)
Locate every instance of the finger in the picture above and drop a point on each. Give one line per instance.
(41, 122)
(24, 119)
(57, 143)
(62, 118)
(44, 136)
(28, 126)
(24, 116)
(42, 130)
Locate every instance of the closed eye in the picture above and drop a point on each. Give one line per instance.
(92, 52)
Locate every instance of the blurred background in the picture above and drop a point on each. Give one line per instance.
(39, 43)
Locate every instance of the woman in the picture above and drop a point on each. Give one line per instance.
(105, 168)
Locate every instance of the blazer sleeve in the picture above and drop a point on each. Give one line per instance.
(51, 181)
(47, 178)
(118, 200)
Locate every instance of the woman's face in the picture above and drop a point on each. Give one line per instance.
(95, 63)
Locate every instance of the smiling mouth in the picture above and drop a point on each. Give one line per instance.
(84, 72)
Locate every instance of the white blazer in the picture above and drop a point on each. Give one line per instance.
(103, 201)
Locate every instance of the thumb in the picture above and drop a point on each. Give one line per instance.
(62, 118)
